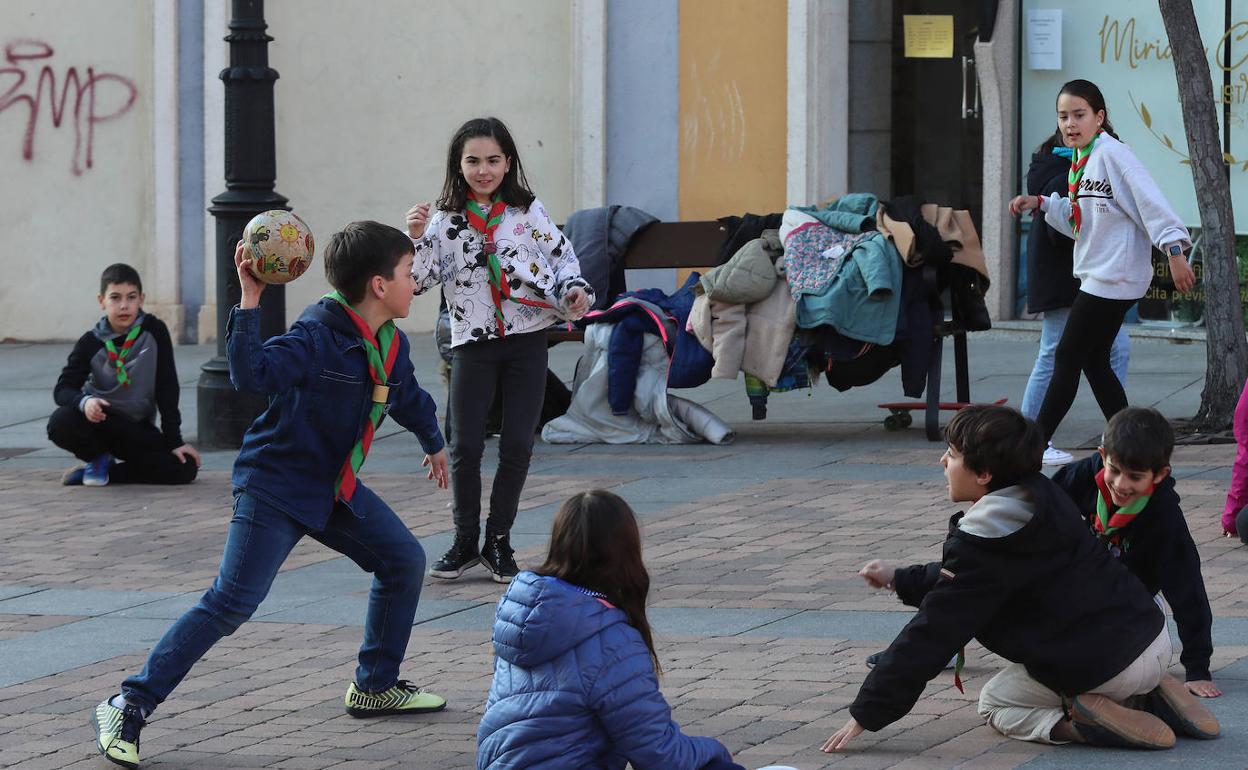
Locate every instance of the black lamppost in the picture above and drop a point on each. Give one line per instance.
(250, 175)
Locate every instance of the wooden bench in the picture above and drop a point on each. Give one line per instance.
(663, 245)
(696, 245)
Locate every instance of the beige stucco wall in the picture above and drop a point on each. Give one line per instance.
(368, 98)
(64, 216)
(370, 94)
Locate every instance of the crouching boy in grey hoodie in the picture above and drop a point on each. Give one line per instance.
(1021, 574)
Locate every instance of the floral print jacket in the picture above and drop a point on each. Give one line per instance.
(536, 260)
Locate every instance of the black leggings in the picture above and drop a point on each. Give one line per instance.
(1090, 330)
(516, 366)
(138, 445)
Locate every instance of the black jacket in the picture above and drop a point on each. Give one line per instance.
(1046, 595)
(154, 387)
(1158, 548)
(1051, 282)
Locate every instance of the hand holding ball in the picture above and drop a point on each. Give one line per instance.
(279, 244)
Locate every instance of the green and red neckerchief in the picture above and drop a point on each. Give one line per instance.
(486, 222)
(1108, 524)
(382, 352)
(1078, 162)
(118, 357)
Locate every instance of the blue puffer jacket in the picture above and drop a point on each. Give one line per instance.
(574, 689)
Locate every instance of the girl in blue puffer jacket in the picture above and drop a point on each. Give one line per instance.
(574, 674)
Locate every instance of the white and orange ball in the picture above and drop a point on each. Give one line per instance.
(280, 245)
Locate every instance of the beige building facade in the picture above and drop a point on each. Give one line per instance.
(111, 121)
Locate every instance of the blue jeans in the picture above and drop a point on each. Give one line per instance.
(1042, 372)
(260, 538)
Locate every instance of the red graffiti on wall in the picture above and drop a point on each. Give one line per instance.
(97, 97)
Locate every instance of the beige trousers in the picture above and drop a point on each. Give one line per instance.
(1019, 707)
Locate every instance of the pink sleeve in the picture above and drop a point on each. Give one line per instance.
(1237, 495)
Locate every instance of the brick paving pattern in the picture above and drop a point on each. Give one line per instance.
(271, 695)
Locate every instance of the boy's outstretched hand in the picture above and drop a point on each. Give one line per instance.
(841, 738)
(879, 573)
(251, 285)
(1204, 688)
(436, 464)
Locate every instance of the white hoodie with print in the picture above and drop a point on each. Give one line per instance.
(1123, 215)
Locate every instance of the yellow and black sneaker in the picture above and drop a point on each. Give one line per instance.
(117, 732)
(403, 698)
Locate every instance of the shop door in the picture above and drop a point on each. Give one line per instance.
(938, 138)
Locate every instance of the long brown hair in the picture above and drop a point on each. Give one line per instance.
(514, 189)
(595, 544)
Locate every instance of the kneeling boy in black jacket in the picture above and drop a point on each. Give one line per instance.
(1127, 497)
(1021, 573)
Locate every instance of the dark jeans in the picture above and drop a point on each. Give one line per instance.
(259, 540)
(140, 447)
(517, 366)
(1089, 334)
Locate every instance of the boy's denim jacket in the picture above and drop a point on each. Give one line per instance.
(316, 378)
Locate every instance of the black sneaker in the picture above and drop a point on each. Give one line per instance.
(117, 733)
(498, 558)
(462, 554)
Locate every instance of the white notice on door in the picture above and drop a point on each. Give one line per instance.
(1044, 39)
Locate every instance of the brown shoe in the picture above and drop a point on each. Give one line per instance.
(1101, 722)
(1181, 710)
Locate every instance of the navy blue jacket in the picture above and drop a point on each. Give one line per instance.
(574, 689)
(316, 378)
(1158, 548)
(1051, 282)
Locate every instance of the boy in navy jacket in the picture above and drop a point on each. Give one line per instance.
(331, 379)
(1127, 495)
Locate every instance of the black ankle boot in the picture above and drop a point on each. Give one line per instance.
(462, 554)
(498, 557)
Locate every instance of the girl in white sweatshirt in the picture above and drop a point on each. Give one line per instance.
(507, 274)
(1115, 213)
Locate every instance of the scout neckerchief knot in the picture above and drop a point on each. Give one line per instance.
(118, 357)
(1109, 525)
(486, 222)
(1079, 161)
(381, 353)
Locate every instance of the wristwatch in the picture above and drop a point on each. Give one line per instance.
(1175, 250)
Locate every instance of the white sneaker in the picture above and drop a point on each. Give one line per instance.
(1054, 456)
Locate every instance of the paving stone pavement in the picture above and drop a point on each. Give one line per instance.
(761, 623)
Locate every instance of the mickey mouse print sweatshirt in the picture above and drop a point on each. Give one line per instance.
(536, 264)
(1123, 214)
